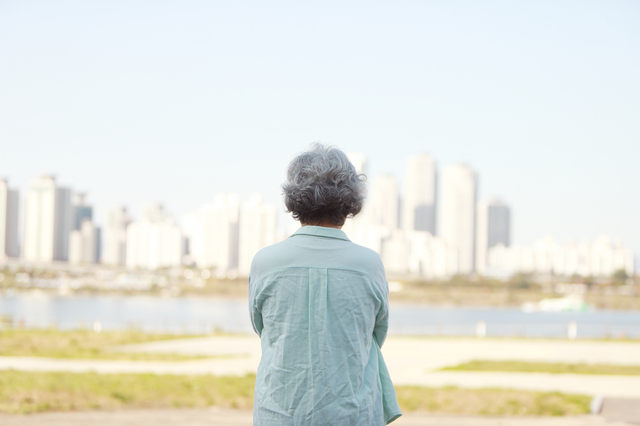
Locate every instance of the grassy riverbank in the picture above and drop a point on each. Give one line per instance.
(460, 290)
(83, 344)
(457, 292)
(514, 293)
(27, 392)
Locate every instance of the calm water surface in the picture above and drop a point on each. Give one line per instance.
(204, 315)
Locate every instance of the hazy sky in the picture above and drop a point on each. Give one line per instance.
(141, 101)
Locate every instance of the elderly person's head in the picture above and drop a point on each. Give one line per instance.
(323, 188)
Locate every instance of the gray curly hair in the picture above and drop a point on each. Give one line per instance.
(323, 187)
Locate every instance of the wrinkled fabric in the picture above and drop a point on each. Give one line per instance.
(320, 306)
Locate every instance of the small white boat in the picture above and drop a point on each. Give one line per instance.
(570, 303)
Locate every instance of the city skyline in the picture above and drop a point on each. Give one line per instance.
(541, 98)
(399, 186)
(225, 234)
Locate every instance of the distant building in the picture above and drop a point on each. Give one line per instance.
(419, 194)
(84, 240)
(419, 254)
(458, 213)
(154, 241)
(385, 201)
(214, 234)
(600, 258)
(257, 229)
(84, 243)
(81, 210)
(115, 236)
(395, 252)
(48, 220)
(9, 200)
(493, 228)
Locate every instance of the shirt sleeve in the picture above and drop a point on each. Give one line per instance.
(254, 312)
(382, 318)
(382, 324)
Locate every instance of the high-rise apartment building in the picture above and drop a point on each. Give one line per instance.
(84, 243)
(257, 229)
(84, 239)
(154, 241)
(385, 201)
(457, 215)
(214, 234)
(115, 236)
(419, 194)
(64, 222)
(81, 210)
(48, 220)
(8, 221)
(493, 228)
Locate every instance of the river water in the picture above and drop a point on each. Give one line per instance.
(198, 315)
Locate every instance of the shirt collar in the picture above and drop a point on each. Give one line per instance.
(321, 231)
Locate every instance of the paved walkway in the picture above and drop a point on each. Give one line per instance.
(216, 417)
(411, 361)
(431, 352)
(415, 361)
(621, 410)
(221, 367)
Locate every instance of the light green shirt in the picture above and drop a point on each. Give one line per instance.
(320, 306)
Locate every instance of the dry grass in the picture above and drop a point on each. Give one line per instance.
(81, 344)
(492, 402)
(546, 367)
(28, 392)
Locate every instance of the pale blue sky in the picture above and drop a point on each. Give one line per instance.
(139, 101)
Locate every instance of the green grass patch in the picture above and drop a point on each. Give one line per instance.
(30, 392)
(83, 344)
(546, 367)
(490, 402)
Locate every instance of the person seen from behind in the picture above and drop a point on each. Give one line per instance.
(320, 306)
